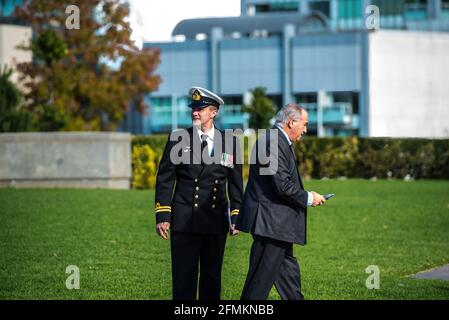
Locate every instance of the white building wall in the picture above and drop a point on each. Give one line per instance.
(10, 37)
(408, 84)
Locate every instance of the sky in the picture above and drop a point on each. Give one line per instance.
(154, 20)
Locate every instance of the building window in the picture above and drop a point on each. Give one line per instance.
(305, 98)
(233, 100)
(445, 8)
(349, 9)
(277, 100)
(351, 98)
(415, 9)
(279, 6)
(390, 7)
(161, 102)
(322, 6)
(262, 33)
(7, 7)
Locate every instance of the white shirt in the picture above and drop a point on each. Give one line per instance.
(210, 138)
(310, 195)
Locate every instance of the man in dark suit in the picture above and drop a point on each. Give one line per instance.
(197, 167)
(274, 209)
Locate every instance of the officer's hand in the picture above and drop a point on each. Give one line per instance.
(318, 199)
(234, 231)
(162, 230)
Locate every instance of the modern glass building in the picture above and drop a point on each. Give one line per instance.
(350, 68)
(7, 7)
(352, 65)
(349, 14)
(360, 67)
(12, 34)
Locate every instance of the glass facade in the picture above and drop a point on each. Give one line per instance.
(349, 9)
(278, 6)
(333, 61)
(322, 6)
(7, 7)
(415, 9)
(445, 8)
(349, 14)
(340, 116)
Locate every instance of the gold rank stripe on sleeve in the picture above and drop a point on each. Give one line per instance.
(163, 209)
(235, 211)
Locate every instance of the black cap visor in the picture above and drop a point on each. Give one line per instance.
(204, 102)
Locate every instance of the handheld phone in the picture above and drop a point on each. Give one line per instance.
(330, 195)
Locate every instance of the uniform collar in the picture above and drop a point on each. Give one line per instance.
(210, 134)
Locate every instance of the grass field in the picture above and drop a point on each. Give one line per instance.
(402, 227)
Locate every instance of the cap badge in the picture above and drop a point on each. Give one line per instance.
(196, 96)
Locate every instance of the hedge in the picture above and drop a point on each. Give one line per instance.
(374, 157)
(335, 157)
(146, 152)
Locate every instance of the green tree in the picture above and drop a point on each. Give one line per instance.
(86, 78)
(11, 118)
(261, 109)
(48, 47)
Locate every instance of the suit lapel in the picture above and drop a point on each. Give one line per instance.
(195, 159)
(287, 145)
(297, 170)
(296, 165)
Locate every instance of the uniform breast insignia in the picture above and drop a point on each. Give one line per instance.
(227, 160)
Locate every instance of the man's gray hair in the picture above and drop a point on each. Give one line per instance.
(291, 111)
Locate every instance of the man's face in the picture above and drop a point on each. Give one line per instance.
(203, 116)
(299, 127)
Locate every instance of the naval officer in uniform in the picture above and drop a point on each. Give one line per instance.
(197, 174)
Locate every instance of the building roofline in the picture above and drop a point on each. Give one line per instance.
(272, 23)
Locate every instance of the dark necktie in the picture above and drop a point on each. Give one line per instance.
(204, 146)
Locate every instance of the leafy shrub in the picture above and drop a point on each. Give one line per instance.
(144, 164)
(350, 157)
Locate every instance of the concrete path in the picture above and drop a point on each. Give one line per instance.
(440, 273)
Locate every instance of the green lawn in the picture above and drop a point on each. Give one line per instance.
(402, 227)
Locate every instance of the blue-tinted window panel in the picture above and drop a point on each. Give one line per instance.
(349, 9)
(321, 5)
(7, 7)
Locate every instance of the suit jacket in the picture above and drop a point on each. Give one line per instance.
(192, 196)
(274, 204)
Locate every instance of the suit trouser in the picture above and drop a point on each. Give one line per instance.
(188, 253)
(272, 262)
